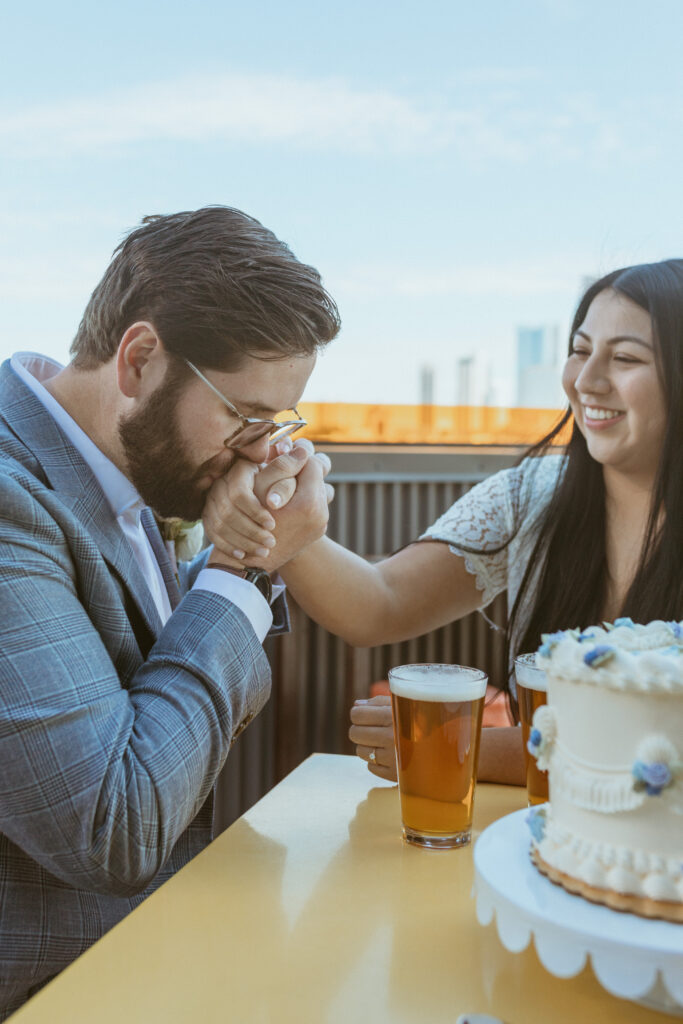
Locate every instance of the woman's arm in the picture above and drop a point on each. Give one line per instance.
(419, 589)
(501, 758)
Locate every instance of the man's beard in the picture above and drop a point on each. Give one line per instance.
(157, 465)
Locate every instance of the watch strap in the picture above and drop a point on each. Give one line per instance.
(259, 577)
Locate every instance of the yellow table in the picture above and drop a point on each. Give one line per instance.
(311, 909)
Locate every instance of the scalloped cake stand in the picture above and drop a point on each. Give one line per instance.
(632, 957)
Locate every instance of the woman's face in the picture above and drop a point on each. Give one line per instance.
(613, 386)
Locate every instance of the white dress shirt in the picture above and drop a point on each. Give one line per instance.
(126, 505)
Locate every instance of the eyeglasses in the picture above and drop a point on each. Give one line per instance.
(252, 429)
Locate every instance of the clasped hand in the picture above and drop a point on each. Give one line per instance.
(263, 516)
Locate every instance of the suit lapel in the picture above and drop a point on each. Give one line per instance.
(62, 467)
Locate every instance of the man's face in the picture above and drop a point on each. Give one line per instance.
(174, 444)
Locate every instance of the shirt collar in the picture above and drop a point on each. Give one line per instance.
(122, 497)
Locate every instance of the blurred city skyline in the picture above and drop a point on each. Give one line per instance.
(455, 171)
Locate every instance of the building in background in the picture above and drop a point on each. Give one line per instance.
(491, 393)
(426, 385)
(538, 368)
(464, 382)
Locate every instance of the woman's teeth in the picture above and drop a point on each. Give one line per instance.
(602, 414)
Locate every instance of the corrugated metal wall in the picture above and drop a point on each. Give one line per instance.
(384, 498)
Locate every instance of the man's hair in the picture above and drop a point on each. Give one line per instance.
(216, 285)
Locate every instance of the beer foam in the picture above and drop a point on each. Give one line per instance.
(528, 673)
(444, 683)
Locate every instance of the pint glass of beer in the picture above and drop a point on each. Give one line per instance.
(437, 711)
(531, 694)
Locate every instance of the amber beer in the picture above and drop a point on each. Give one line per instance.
(437, 711)
(531, 694)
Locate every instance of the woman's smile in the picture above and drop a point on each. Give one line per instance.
(598, 418)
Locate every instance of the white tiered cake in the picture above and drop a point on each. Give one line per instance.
(611, 738)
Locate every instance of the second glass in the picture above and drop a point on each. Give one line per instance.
(532, 692)
(437, 712)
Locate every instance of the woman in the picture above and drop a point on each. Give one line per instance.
(576, 538)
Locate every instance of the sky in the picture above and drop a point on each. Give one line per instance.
(454, 170)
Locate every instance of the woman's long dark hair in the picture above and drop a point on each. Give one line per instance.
(571, 547)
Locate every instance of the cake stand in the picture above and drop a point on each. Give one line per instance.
(632, 957)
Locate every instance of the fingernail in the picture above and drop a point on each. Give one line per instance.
(237, 553)
(270, 543)
(299, 453)
(283, 447)
(262, 552)
(275, 500)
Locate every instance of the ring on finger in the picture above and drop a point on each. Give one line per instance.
(372, 757)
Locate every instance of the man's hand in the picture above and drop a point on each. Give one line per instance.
(244, 532)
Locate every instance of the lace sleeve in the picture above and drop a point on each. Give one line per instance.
(480, 525)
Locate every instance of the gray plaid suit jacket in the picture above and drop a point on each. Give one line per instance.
(112, 728)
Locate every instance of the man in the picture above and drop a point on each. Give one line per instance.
(117, 711)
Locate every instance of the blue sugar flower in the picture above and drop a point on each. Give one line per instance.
(535, 740)
(535, 820)
(652, 777)
(550, 640)
(599, 655)
(625, 621)
(677, 629)
(656, 777)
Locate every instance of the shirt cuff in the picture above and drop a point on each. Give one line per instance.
(240, 592)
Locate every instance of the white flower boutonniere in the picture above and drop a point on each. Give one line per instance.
(188, 538)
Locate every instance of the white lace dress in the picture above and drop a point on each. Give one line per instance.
(506, 507)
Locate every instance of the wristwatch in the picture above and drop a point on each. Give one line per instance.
(259, 577)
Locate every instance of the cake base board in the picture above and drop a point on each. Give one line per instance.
(632, 957)
(628, 903)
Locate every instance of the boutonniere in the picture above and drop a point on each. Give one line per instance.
(188, 538)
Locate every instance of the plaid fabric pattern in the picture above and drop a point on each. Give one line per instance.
(112, 728)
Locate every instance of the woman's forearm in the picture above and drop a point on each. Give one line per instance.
(501, 758)
(339, 590)
(418, 589)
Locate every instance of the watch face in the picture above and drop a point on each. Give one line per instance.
(261, 580)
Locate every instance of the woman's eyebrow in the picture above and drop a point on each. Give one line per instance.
(617, 339)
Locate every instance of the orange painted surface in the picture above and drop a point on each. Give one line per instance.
(354, 423)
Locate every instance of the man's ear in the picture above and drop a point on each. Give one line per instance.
(140, 360)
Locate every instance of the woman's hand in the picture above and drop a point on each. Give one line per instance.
(372, 729)
(276, 483)
(240, 526)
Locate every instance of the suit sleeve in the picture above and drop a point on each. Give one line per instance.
(189, 571)
(99, 778)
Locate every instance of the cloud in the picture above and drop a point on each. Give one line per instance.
(325, 114)
(505, 280)
(254, 108)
